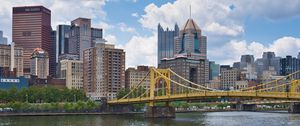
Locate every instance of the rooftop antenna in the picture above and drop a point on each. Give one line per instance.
(190, 11)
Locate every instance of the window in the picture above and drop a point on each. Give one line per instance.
(27, 33)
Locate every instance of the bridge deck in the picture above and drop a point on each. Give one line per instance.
(200, 95)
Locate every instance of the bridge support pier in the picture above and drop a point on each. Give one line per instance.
(160, 112)
(246, 107)
(294, 107)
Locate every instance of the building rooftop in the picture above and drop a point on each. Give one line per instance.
(190, 24)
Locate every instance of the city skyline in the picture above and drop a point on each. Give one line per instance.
(231, 23)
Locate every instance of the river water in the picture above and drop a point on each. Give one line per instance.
(182, 119)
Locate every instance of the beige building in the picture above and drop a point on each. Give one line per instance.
(104, 71)
(134, 76)
(39, 63)
(11, 57)
(72, 71)
(229, 78)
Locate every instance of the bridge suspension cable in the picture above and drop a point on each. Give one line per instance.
(136, 87)
(198, 85)
(270, 82)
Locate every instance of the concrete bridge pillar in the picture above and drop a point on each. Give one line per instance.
(294, 107)
(160, 112)
(246, 107)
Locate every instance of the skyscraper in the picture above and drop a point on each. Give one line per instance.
(289, 65)
(246, 59)
(104, 71)
(190, 42)
(62, 40)
(214, 70)
(82, 36)
(268, 60)
(32, 29)
(189, 59)
(166, 42)
(3, 40)
(52, 54)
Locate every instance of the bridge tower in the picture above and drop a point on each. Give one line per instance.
(158, 76)
(295, 88)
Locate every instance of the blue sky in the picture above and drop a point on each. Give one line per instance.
(233, 27)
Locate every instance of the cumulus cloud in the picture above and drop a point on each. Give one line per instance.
(135, 15)
(141, 50)
(124, 28)
(233, 50)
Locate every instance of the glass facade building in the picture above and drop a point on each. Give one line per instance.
(166, 42)
(62, 40)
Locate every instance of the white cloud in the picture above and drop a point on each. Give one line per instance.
(233, 50)
(62, 11)
(124, 28)
(111, 39)
(135, 15)
(141, 50)
(103, 25)
(218, 29)
(218, 17)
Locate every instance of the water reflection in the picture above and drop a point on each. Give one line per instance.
(182, 119)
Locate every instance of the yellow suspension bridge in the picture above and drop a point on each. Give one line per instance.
(164, 88)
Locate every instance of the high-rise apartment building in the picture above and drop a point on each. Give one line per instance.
(39, 63)
(11, 59)
(72, 71)
(3, 40)
(31, 28)
(166, 42)
(134, 76)
(104, 71)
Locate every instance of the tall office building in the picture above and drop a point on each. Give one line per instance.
(214, 70)
(31, 28)
(97, 36)
(190, 60)
(246, 59)
(299, 55)
(268, 60)
(104, 71)
(72, 71)
(289, 65)
(3, 40)
(166, 42)
(82, 36)
(40, 63)
(62, 40)
(52, 53)
(11, 60)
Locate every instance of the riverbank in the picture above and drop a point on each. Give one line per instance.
(64, 114)
(115, 113)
